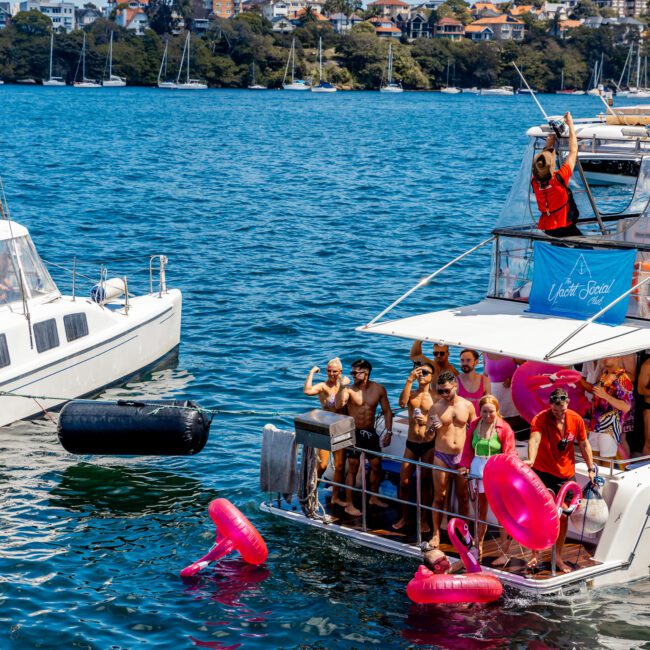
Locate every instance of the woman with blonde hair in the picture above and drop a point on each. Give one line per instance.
(326, 392)
(487, 435)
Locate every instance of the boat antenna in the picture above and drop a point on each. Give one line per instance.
(4, 208)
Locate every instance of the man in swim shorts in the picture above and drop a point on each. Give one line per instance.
(440, 362)
(448, 418)
(362, 399)
(471, 384)
(420, 442)
(551, 454)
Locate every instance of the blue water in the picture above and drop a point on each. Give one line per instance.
(289, 221)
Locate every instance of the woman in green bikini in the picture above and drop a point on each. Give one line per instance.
(487, 435)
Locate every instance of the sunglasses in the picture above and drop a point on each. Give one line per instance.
(439, 354)
(560, 399)
(444, 391)
(354, 373)
(425, 373)
(441, 565)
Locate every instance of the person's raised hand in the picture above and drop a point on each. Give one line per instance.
(315, 369)
(345, 381)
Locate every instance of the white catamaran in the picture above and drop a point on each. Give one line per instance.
(53, 81)
(322, 86)
(294, 84)
(390, 86)
(113, 80)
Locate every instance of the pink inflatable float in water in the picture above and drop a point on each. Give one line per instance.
(428, 587)
(234, 533)
(533, 382)
(522, 504)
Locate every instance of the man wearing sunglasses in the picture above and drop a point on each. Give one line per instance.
(448, 417)
(440, 361)
(420, 441)
(362, 399)
(551, 454)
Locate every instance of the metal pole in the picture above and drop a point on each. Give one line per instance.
(594, 207)
(418, 498)
(553, 560)
(74, 275)
(362, 467)
(476, 518)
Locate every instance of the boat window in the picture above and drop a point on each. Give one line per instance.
(9, 285)
(37, 277)
(46, 335)
(4, 351)
(76, 326)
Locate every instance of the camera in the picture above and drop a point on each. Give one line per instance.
(559, 126)
(562, 445)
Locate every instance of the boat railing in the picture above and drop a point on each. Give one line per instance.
(620, 464)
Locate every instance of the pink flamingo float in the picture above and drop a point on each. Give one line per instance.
(472, 587)
(234, 533)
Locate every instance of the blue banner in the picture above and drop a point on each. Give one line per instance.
(578, 283)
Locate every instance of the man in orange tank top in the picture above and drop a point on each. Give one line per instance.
(550, 186)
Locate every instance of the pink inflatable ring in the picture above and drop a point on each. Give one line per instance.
(234, 533)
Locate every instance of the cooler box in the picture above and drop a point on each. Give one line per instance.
(325, 430)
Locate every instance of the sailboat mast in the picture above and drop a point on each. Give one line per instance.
(447, 73)
(293, 59)
(110, 57)
(188, 57)
(638, 66)
(180, 67)
(320, 58)
(83, 59)
(390, 64)
(51, 49)
(163, 63)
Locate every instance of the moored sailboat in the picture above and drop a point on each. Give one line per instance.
(53, 81)
(390, 86)
(447, 89)
(323, 86)
(188, 84)
(113, 80)
(253, 85)
(163, 82)
(85, 82)
(294, 84)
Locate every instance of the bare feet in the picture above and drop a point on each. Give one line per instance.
(351, 510)
(563, 566)
(434, 542)
(532, 563)
(402, 523)
(339, 502)
(425, 528)
(374, 501)
(502, 560)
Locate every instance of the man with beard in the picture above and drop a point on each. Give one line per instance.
(449, 417)
(420, 441)
(471, 384)
(362, 399)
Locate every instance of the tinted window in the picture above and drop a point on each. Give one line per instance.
(4, 352)
(46, 335)
(76, 326)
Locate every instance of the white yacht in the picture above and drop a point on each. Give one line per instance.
(447, 89)
(188, 84)
(294, 84)
(507, 322)
(53, 81)
(501, 91)
(322, 86)
(85, 82)
(57, 347)
(113, 80)
(390, 86)
(163, 82)
(253, 85)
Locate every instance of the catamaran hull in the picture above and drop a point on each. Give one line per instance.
(388, 89)
(53, 83)
(149, 332)
(296, 87)
(114, 84)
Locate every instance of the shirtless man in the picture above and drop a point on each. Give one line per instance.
(643, 387)
(448, 417)
(326, 392)
(440, 362)
(362, 399)
(471, 384)
(420, 442)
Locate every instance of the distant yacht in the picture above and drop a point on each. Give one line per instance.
(472, 91)
(391, 86)
(323, 86)
(53, 81)
(501, 91)
(113, 80)
(188, 84)
(450, 90)
(253, 85)
(296, 84)
(84, 83)
(162, 72)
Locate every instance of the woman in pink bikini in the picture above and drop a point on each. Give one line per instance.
(471, 384)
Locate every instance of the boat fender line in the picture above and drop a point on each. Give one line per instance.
(127, 428)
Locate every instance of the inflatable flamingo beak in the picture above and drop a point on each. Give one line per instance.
(193, 569)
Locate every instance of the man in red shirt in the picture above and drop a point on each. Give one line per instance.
(552, 456)
(550, 186)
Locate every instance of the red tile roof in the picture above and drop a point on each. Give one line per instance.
(388, 3)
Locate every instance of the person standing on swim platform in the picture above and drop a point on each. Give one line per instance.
(448, 417)
(362, 400)
(552, 187)
(420, 441)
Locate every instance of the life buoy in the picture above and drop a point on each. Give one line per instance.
(234, 533)
(428, 587)
(522, 503)
(533, 382)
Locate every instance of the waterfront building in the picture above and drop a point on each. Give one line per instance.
(624, 8)
(385, 27)
(86, 16)
(60, 13)
(5, 14)
(633, 27)
(389, 8)
(282, 25)
(130, 14)
(484, 10)
(504, 27)
(479, 32)
(449, 28)
(342, 24)
(413, 25)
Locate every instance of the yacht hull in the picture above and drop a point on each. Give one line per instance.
(119, 346)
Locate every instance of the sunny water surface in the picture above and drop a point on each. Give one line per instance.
(289, 220)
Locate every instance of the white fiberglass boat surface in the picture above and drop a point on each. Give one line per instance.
(64, 347)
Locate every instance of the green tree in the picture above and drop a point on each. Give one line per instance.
(32, 23)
